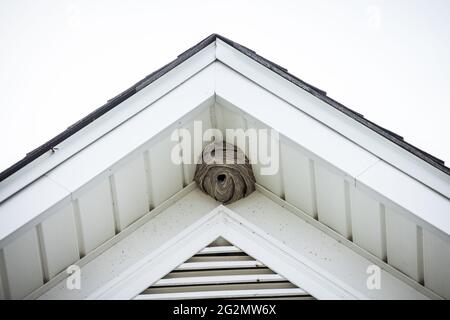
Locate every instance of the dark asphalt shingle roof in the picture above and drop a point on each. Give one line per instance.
(52, 143)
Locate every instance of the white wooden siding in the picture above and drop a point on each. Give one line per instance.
(410, 195)
(368, 223)
(134, 134)
(235, 90)
(229, 119)
(255, 227)
(437, 264)
(331, 117)
(322, 250)
(402, 245)
(96, 217)
(59, 241)
(130, 193)
(143, 241)
(298, 178)
(189, 168)
(331, 201)
(30, 203)
(23, 265)
(272, 182)
(165, 176)
(104, 207)
(2, 291)
(124, 111)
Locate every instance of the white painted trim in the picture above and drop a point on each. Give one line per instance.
(222, 222)
(351, 245)
(223, 294)
(219, 265)
(283, 260)
(224, 83)
(219, 249)
(333, 118)
(153, 267)
(29, 207)
(116, 239)
(112, 119)
(406, 195)
(352, 162)
(61, 184)
(189, 281)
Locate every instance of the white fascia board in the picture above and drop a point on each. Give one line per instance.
(222, 222)
(350, 128)
(292, 265)
(158, 246)
(148, 240)
(135, 132)
(198, 209)
(352, 161)
(321, 248)
(28, 205)
(74, 176)
(113, 118)
(237, 90)
(408, 194)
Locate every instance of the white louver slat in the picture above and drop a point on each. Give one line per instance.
(222, 271)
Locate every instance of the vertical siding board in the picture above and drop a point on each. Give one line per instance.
(166, 176)
(131, 192)
(401, 242)
(23, 265)
(297, 179)
(59, 238)
(4, 289)
(195, 151)
(272, 182)
(436, 264)
(228, 119)
(367, 223)
(2, 293)
(331, 200)
(96, 216)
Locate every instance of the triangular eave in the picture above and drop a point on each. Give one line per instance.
(274, 251)
(215, 79)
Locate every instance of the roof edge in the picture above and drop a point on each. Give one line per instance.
(283, 72)
(109, 105)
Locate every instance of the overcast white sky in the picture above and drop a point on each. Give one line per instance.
(59, 60)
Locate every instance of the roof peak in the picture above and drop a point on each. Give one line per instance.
(281, 71)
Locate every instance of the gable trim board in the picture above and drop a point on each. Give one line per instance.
(219, 48)
(341, 119)
(144, 129)
(217, 81)
(185, 235)
(215, 76)
(333, 150)
(89, 257)
(116, 112)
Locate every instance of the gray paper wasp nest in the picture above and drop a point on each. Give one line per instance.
(224, 172)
